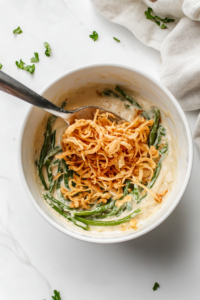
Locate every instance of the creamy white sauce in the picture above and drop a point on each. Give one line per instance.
(149, 207)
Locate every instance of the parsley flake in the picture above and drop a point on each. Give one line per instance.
(36, 58)
(17, 31)
(21, 65)
(156, 286)
(1, 66)
(56, 295)
(116, 39)
(94, 36)
(48, 49)
(157, 20)
(163, 26)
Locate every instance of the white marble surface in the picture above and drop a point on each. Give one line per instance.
(34, 257)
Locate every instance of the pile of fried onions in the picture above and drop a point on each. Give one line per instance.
(103, 155)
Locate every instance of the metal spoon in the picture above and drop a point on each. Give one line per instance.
(15, 88)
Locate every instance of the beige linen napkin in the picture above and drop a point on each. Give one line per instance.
(179, 44)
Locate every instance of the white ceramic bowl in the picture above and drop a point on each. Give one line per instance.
(148, 88)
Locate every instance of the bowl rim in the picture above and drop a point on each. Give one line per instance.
(122, 238)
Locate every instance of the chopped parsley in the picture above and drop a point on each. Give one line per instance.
(157, 20)
(17, 31)
(156, 286)
(94, 36)
(116, 39)
(48, 49)
(36, 58)
(21, 65)
(1, 66)
(163, 26)
(56, 295)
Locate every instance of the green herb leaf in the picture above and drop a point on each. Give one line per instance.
(157, 22)
(48, 49)
(21, 65)
(157, 19)
(17, 31)
(156, 286)
(1, 66)
(94, 36)
(116, 39)
(163, 26)
(148, 14)
(36, 58)
(56, 295)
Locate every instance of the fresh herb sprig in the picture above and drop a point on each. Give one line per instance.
(94, 36)
(36, 58)
(56, 295)
(17, 31)
(156, 286)
(1, 66)
(116, 39)
(157, 19)
(48, 49)
(21, 65)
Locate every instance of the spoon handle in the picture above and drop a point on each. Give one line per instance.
(13, 87)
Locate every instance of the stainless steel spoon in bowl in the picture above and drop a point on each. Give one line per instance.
(15, 88)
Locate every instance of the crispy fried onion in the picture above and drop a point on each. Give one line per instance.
(104, 154)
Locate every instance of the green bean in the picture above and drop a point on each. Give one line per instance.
(59, 203)
(128, 182)
(101, 216)
(127, 97)
(50, 176)
(153, 132)
(110, 93)
(42, 178)
(49, 173)
(127, 106)
(99, 204)
(112, 213)
(128, 204)
(97, 210)
(66, 174)
(56, 162)
(58, 184)
(118, 211)
(153, 180)
(132, 101)
(43, 152)
(161, 132)
(52, 152)
(155, 176)
(121, 210)
(164, 149)
(52, 120)
(45, 147)
(73, 220)
(53, 139)
(135, 192)
(108, 223)
(63, 104)
(141, 198)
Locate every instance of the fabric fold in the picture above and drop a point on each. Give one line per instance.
(179, 44)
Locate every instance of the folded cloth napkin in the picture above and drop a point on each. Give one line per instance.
(179, 43)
